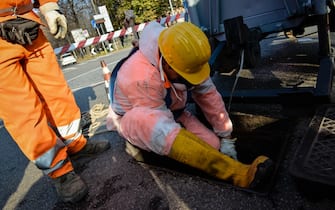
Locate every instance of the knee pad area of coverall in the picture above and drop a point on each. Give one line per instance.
(150, 129)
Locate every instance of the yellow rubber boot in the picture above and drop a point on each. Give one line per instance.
(190, 150)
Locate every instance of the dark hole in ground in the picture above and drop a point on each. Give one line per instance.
(256, 134)
(270, 138)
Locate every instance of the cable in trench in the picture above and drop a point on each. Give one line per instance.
(236, 79)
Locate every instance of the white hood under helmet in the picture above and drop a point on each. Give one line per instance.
(148, 42)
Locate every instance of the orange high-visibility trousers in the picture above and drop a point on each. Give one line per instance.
(34, 100)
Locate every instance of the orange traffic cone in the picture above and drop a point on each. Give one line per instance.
(107, 74)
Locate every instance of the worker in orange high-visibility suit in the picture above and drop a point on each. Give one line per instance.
(36, 105)
(148, 102)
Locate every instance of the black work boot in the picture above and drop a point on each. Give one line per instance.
(92, 147)
(262, 175)
(70, 187)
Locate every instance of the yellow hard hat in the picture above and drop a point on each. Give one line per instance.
(186, 49)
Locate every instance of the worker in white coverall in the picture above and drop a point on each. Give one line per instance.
(148, 101)
(36, 105)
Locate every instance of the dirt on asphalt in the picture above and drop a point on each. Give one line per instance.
(117, 181)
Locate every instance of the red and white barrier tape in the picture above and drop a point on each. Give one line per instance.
(111, 35)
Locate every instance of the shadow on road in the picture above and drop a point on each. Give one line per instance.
(13, 164)
(20, 184)
(83, 98)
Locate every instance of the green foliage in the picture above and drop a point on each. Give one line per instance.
(144, 10)
(79, 13)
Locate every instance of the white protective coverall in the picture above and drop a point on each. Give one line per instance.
(139, 110)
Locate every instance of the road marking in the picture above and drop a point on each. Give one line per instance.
(88, 72)
(90, 85)
(83, 74)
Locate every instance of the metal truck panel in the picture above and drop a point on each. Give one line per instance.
(268, 15)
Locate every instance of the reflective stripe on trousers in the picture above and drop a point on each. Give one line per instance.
(34, 95)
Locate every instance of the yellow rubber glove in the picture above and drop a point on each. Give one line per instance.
(56, 21)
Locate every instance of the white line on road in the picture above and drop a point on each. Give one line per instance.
(90, 85)
(88, 72)
(83, 74)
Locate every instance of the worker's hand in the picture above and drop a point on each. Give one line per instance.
(228, 147)
(56, 21)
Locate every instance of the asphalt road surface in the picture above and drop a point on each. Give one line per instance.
(117, 181)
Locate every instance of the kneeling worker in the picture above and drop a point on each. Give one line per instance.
(149, 96)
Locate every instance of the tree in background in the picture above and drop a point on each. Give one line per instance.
(144, 10)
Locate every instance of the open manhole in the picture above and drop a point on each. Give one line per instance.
(257, 135)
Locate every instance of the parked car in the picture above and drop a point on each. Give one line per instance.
(67, 58)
